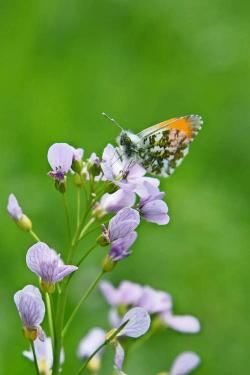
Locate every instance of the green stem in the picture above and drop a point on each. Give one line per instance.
(107, 341)
(78, 197)
(66, 209)
(86, 254)
(85, 228)
(83, 299)
(33, 234)
(50, 317)
(35, 357)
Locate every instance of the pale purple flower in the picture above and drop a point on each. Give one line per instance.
(94, 338)
(181, 323)
(44, 355)
(121, 233)
(60, 158)
(155, 301)
(47, 264)
(117, 201)
(152, 207)
(185, 363)
(138, 323)
(124, 173)
(13, 208)
(127, 293)
(78, 154)
(31, 308)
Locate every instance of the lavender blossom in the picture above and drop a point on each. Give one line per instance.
(60, 158)
(120, 234)
(185, 363)
(127, 293)
(155, 301)
(94, 338)
(44, 355)
(152, 207)
(78, 154)
(31, 309)
(138, 323)
(47, 264)
(181, 323)
(16, 212)
(116, 201)
(123, 173)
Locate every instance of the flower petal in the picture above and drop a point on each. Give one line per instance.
(110, 293)
(155, 301)
(182, 323)
(123, 222)
(185, 363)
(138, 322)
(13, 208)
(119, 355)
(118, 200)
(111, 163)
(120, 248)
(60, 157)
(155, 212)
(63, 271)
(89, 343)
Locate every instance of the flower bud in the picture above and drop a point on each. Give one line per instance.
(61, 186)
(108, 264)
(110, 187)
(30, 333)
(24, 223)
(79, 179)
(47, 287)
(77, 166)
(102, 240)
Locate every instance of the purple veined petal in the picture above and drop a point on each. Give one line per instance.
(119, 355)
(138, 323)
(149, 192)
(63, 271)
(123, 222)
(120, 248)
(110, 293)
(43, 261)
(182, 323)
(130, 293)
(13, 208)
(60, 157)
(89, 343)
(78, 154)
(111, 163)
(155, 301)
(185, 363)
(155, 212)
(117, 201)
(30, 306)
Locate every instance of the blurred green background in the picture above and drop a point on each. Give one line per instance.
(63, 63)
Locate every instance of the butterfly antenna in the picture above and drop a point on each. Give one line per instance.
(112, 120)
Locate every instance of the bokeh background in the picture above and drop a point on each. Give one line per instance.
(64, 62)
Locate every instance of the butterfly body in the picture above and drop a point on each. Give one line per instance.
(162, 147)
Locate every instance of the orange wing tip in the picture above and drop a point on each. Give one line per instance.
(196, 124)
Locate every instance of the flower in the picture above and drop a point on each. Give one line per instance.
(16, 212)
(78, 154)
(47, 264)
(152, 207)
(181, 323)
(94, 338)
(127, 293)
(116, 201)
(60, 158)
(44, 355)
(155, 301)
(31, 309)
(120, 233)
(185, 363)
(138, 323)
(121, 172)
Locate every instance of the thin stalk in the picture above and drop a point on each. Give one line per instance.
(86, 227)
(86, 254)
(107, 341)
(66, 209)
(78, 207)
(83, 299)
(33, 234)
(35, 357)
(50, 317)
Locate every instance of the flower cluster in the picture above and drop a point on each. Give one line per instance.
(119, 196)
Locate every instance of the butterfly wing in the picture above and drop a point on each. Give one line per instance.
(163, 146)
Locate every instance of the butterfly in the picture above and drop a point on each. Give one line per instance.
(161, 147)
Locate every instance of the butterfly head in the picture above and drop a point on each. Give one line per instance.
(128, 142)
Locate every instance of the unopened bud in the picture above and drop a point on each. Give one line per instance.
(61, 186)
(30, 333)
(108, 264)
(77, 166)
(24, 223)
